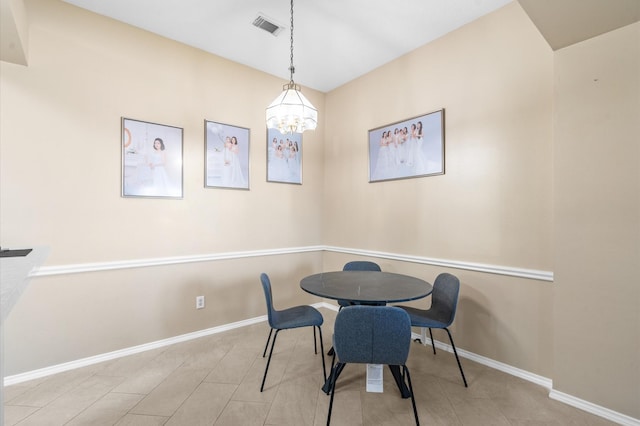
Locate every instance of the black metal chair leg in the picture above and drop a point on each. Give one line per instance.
(335, 372)
(457, 359)
(333, 364)
(324, 368)
(267, 345)
(405, 371)
(275, 336)
(433, 344)
(315, 345)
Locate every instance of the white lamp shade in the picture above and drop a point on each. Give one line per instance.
(291, 112)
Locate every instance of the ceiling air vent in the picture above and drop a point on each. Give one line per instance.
(267, 24)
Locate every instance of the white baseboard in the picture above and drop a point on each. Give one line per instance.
(60, 368)
(84, 362)
(583, 405)
(505, 368)
(603, 412)
(534, 378)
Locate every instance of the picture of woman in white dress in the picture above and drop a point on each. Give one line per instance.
(293, 161)
(232, 170)
(385, 162)
(419, 160)
(156, 162)
(227, 149)
(278, 166)
(271, 152)
(152, 160)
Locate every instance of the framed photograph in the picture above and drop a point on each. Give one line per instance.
(226, 156)
(407, 149)
(151, 160)
(284, 157)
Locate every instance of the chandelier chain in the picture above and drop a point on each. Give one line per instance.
(291, 67)
(291, 112)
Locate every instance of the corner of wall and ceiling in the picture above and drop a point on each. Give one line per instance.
(13, 32)
(566, 22)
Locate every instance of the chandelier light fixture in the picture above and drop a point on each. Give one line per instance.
(291, 112)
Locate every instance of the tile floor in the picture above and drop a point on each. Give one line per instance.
(215, 380)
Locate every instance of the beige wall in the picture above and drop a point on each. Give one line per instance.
(597, 205)
(60, 174)
(493, 205)
(76, 316)
(61, 122)
(497, 204)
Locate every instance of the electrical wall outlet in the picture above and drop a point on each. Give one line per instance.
(199, 302)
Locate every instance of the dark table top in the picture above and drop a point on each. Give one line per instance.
(366, 286)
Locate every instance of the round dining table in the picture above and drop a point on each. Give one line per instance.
(367, 288)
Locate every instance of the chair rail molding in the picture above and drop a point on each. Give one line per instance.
(455, 264)
(163, 261)
(532, 274)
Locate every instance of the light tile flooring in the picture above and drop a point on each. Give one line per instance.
(215, 380)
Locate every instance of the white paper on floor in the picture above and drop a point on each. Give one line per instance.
(374, 378)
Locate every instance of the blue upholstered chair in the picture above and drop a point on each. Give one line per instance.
(444, 302)
(371, 335)
(358, 265)
(295, 317)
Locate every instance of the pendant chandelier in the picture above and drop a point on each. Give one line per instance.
(291, 112)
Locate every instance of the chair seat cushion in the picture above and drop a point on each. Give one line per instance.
(297, 316)
(423, 318)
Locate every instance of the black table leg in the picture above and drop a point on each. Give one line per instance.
(402, 386)
(335, 372)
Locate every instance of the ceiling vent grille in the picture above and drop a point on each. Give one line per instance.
(267, 24)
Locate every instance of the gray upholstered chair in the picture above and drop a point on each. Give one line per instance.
(358, 265)
(295, 317)
(444, 303)
(371, 335)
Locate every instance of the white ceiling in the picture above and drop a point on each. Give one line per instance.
(335, 41)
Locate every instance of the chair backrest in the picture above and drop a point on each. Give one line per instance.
(372, 335)
(361, 265)
(266, 286)
(444, 298)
